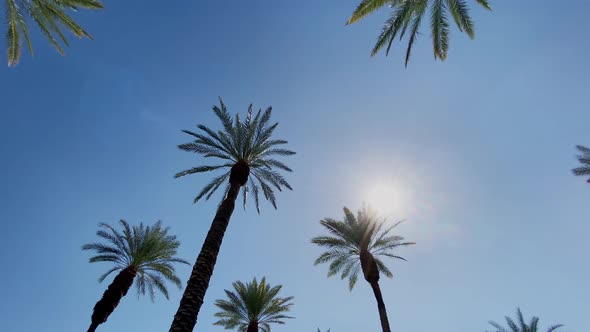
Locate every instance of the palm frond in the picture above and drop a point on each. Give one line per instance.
(407, 16)
(50, 16)
(460, 13)
(440, 29)
(485, 4)
(365, 8)
(520, 324)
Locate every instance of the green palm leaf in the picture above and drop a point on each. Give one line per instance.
(50, 16)
(407, 16)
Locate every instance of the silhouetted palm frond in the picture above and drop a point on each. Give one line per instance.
(520, 325)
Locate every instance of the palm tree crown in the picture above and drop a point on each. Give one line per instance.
(584, 159)
(353, 235)
(521, 325)
(50, 16)
(149, 250)
(407, 17)
(245, 148)
(251, 306)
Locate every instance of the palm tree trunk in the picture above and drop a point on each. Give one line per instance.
(192, 299)
(381, 307)
(111, 297)
(252, 327)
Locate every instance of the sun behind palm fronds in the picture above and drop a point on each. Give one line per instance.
(50, 16)
(407, 16)
(244, 144)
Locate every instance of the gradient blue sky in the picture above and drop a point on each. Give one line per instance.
(475, 152)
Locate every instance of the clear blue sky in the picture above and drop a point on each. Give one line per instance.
(475, 152)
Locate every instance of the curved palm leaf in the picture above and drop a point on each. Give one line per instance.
(407, 16)
(248, 140)
(252, 303)
(346, 239)
(50, 16)
(520, 325)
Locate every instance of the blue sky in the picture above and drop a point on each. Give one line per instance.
(475, 152)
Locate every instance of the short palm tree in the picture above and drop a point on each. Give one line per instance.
(252, 307)
(521, 325)
(584, 159)
(247, 151)
(407, 17)
(356, 244)
(49, 15)
(142, 254)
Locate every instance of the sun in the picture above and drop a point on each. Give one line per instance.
(389, 199)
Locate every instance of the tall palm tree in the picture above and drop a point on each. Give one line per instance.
(356, 244)
(521, 325)
(247, 152)
(252, 307)
(50, 16)
(584, 159)
(407, 17)
(144, 254)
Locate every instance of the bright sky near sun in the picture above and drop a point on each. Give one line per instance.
(474, 153)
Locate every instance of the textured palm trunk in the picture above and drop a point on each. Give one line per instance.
(192, 299)
(381, 307)
(111, 297)
(252, 327)
(371, 273)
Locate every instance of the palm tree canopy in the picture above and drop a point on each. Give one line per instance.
(149, 249)
(252, 302)
(407, 17)
(248, 142)
(584, 159)
(347, 239)
(520, 325)
(50, 16)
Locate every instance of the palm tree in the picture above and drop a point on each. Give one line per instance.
(356, 244)
(252, 307)
(407, 16)
(521, 325)
(584, 159)
(246, 150)
(50, 16)
(144, 254)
